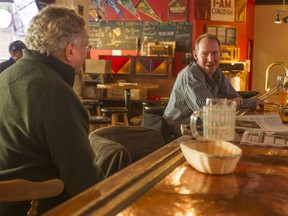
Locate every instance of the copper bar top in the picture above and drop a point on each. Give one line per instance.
(118, 191)
(163, 183)
(258, 186)
(127, 86)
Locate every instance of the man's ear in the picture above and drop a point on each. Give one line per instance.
(69, 52)
(195, 55)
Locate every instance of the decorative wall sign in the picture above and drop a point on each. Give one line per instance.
(129, 7)
(113, 4)
(140, 65)
(177, 10)
(145, 8)
(202, 9)
(120, 64)
(152, 66)
(222, 10)
(96, 10)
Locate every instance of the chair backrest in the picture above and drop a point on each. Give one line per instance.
(158, 110)
(138, 141)
(109, 155)
(152, 119)
(23, 190)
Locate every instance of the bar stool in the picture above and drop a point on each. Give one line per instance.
(115, 112)
(98, 122)
(93, 106)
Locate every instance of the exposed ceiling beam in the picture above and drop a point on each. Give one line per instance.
(269, 2)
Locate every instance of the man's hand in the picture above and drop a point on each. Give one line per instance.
(253, 102)
(239, 101)
(259, 103)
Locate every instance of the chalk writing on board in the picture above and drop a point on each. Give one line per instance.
(122, 34)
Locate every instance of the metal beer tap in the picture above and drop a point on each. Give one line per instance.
(267, 87)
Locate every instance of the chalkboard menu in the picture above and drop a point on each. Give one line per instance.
(122, 35)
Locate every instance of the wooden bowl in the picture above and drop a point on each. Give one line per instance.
(212, 157)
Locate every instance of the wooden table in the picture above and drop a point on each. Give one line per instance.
(127, 90)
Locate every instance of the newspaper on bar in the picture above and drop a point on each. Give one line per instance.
(265, 138)
(263, 130)
(271, 122)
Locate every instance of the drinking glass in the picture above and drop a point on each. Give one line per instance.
(218, 120)
(282, 86)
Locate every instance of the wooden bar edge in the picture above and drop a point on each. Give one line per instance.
(115, 193)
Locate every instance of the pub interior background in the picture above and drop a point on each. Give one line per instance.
(260, 41)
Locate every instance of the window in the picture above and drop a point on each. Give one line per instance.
(226, 35)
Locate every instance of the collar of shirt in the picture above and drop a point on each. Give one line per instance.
(211, 82)
(64, 70)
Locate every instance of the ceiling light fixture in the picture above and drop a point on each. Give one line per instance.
(278, 16)
(278, 20)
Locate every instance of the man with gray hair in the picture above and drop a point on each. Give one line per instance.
(44, 127)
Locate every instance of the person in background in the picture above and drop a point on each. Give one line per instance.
(44, 126)
(15, 50)
(200, 80)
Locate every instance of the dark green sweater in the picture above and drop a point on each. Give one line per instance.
(44, 127)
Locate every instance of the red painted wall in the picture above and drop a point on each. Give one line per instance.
(244, 29)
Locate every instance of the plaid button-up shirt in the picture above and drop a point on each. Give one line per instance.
(189, 94)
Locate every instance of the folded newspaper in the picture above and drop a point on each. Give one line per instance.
(263, 130)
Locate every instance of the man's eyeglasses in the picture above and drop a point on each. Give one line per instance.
(88, 47)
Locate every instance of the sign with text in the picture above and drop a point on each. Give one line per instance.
(122, 35)
(223, 10)
(177, 10)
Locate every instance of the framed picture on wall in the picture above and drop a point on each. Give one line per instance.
(226, 34)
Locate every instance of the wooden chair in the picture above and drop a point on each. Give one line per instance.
(23, 190)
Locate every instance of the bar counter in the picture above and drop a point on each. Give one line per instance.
(258, 186)
(165, 184)
(120, 190)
